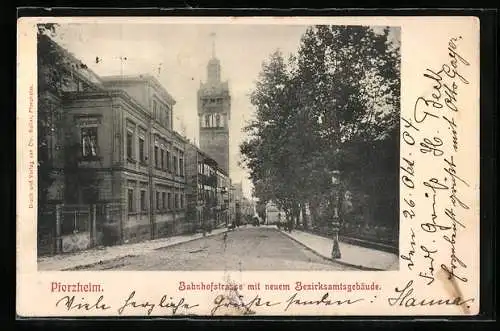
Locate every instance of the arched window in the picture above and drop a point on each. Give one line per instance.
(207, 121)
(217, 120)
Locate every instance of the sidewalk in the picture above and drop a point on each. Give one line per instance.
(352, 255)
(96, 255)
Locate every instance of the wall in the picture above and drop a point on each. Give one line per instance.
(89, 110)
(137, 91)
(155, 221)
(216, 144)
(76, 242)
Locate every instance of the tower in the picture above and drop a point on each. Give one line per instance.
(214, 112)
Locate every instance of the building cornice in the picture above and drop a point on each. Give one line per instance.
(109, 94)
(144, 78)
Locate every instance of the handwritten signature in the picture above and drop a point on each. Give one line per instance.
(405, 298)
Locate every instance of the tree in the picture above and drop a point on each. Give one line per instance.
(340, 90)
(49, 76)
(268, 153)
(349, 78)
(56, 73)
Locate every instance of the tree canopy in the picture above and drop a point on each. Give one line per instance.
(322, 109)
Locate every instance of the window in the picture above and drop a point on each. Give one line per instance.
(175, 165)
(130, 200)
(157, 163)
(130, 141)
(176, 201)
(158, 201)
(143, 201)
(217, 120)
(154, 109)
(167, 118)
(169, 201)
(168, 161)
(162, 159)
(182, 201)
(142, 156)
(181, 167)
(89, 142)
(207, 121)
(164, 200)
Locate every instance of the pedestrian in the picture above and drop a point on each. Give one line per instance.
(224, 238)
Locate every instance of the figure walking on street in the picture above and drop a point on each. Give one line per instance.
(224, 238)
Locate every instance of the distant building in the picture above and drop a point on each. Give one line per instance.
(273, 214)
(238, 192)
(232, 204)
(247, 208)
(207, 190)
(223, 197)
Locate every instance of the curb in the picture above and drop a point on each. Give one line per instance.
(89, 265)
(347, 264)
(187, 241)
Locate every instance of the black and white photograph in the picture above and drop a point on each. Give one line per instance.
(248, 166)
(208, 147)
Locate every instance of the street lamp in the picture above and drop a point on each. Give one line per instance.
(336, 219)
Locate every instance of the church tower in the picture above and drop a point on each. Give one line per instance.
(214, 112)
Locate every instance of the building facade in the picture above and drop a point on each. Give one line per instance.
(139, 159)
(223, 197)
(117, 166)
(206, 191)
(214, 112)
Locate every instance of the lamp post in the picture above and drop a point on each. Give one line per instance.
(336, 218)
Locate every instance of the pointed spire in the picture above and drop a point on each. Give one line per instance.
(213, 35)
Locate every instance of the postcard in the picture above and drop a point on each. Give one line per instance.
(247, 166)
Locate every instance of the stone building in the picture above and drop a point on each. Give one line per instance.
(207, 191)
(110, 157)
(214, 112)
(223, 197)
(138, 158)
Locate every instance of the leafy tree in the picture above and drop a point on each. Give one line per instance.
(48, 116)
(318, 112)
(265, 152)
(56, 72)
(349, 78)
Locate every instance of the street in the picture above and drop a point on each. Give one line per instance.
(245, 248)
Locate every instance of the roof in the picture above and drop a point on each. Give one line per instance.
(144, 78)
(222, 171)
(205, 155)
(213, 61)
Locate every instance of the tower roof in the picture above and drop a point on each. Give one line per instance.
(213, 61)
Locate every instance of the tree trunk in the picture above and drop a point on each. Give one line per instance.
(296, 214)
(340, 204)
(314, 208)
(305, 220)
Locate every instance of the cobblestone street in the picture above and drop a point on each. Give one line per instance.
(244, 248)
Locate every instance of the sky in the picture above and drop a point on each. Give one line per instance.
(177, 54)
